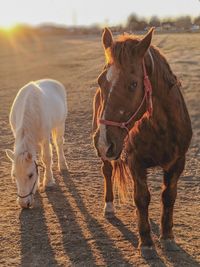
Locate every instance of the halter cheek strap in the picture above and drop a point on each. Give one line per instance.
(148, 90)
(147, 96)
(31, 192)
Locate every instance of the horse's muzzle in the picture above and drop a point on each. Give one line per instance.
(27, 202)
(112, 153)
(106, 150)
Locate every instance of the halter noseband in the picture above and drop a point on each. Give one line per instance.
(147, 96)
(31, 192)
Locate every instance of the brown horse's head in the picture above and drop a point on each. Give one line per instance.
(122, 89)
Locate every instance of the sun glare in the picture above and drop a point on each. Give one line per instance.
(9, 29)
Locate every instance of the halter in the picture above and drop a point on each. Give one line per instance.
(147, 96)
(31, 192)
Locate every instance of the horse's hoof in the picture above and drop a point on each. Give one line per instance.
(169, 245)
(109, 211)
(42, 188)
(148, 252)
(109, 215)
(63, 170)
(50, 183)
(63, 167)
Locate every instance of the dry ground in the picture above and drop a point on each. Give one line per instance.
(67, 227)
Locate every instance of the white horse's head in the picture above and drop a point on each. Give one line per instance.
(25, 172)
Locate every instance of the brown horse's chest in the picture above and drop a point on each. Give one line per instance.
(152, 148)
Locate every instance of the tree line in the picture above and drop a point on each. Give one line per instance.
(135, 23)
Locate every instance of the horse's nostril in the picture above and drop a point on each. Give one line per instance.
(110, 150)
(28, 204)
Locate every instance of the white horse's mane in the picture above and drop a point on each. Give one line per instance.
(26, 130)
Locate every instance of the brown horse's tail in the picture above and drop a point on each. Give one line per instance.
(123, 181)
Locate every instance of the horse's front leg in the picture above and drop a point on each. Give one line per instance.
(47, 160)
(168, 199)
(142, 200)
(108, 189)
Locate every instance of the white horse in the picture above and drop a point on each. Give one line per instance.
(38, 112)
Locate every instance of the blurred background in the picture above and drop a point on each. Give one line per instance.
(88, 17)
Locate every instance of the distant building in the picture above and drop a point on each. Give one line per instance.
(195, 28)
(168, 26)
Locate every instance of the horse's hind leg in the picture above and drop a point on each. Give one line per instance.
(108, 188)
(169, 193)
(47, 160)
(58, 139)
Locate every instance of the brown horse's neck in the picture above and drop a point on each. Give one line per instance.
(166, 87)
(169, 109)
(160, 73)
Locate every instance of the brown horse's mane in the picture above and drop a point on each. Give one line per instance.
(121, 48)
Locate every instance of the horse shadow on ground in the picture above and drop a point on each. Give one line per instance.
(74, 243)
(72, 233)
(109, 251)
(179, 257)
(35, 244)
(153, 259)
(36, 249)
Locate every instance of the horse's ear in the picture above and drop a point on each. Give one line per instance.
(107, 38)
(10, 154)
(28, 156)
(144, 44)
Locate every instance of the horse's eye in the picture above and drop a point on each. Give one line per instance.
(132, 86)
(30, 176)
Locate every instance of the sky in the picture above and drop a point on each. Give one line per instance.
(88, 12)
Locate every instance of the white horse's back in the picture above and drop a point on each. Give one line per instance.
(42, 103)
(47, 85)
(54, 100)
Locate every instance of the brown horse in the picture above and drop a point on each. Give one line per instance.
(140, 113)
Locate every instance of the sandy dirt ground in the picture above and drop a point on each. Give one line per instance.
(66, 227)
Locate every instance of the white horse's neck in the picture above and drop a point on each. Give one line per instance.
(27, 133)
